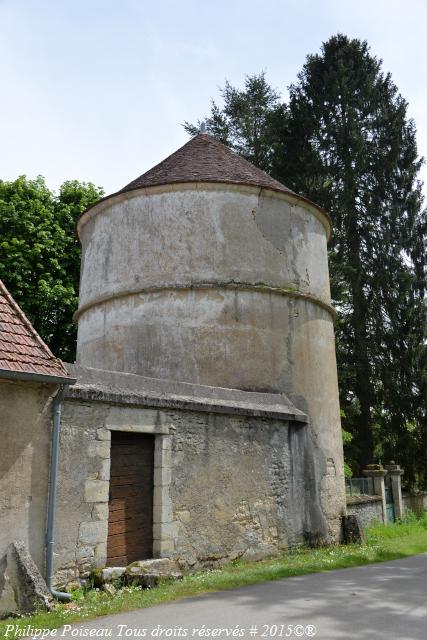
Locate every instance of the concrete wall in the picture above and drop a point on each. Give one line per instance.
(182, 234)
(199, 285)
(368, 509)
(218, 285)
(25, 435)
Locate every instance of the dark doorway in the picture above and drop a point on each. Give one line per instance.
(389, 499)
(130, 521)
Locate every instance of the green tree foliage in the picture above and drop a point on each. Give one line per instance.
(344, 140)
(40, 254)
(347, 439)
(248, 122)
(350, 146)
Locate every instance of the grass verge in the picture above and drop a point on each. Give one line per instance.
(383, 543)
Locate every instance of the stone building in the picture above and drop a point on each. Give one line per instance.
(30, 378)
(204, 423)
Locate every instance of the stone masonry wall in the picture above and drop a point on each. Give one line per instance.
(368, 509)
(223, 486)
(230, 487)
(83, 485)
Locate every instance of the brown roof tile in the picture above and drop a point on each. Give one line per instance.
(21, 348)
(204, 159)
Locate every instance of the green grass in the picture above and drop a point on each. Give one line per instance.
(383, 543)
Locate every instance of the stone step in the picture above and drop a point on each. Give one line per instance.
(156, 565)
(146, 573)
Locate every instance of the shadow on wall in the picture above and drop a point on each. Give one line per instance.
(304, 486)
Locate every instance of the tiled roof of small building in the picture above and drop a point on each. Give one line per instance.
(204, 159)
(21, 348)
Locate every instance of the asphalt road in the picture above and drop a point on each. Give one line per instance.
(381, 601)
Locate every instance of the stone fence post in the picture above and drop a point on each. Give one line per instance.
(377, 473)
(395, 472)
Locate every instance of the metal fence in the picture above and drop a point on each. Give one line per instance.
(359, 486)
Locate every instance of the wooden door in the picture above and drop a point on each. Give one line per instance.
(130, 522)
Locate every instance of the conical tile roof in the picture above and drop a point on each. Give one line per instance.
(204, 159)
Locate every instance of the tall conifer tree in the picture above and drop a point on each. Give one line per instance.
(344, 140)
(349, 146)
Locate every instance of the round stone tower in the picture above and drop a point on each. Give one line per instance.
(206, 270)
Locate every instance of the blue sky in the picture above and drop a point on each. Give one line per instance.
(97, 89)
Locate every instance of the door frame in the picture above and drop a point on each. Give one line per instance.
(149, 422)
